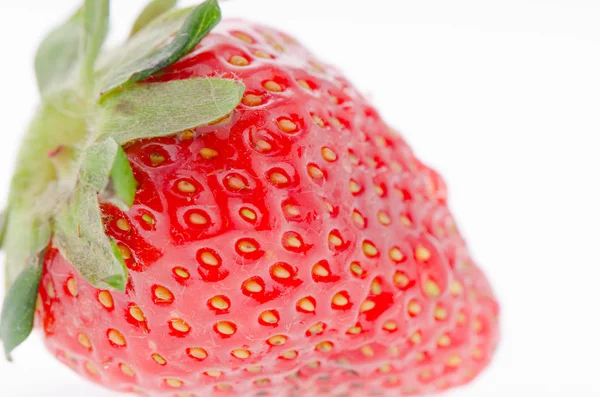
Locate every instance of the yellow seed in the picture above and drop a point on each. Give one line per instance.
(277, 178)
(315, 172)
(106, 299)
(148, 219)
(137, 313)
(159, 359)
(248, 214)
(84, 341)
(262, 382)
(252, 100)
(369, 249)
(477, 326)
(281, 272)
(198, 352)
(316, 329)
(157, 159)
(383, 218)
(255, 369)
(444, 341)
(306, 305)
(125, 251)
(174, 383)
(396, 254)
(197, 219)
(324, 347)
(209, 259)
(287, 125)
(116, 337)
(356, 269)
(339, 300)
(252, 286)
(272, 86)
(328, 154)
(367, 305)
(187, 134)
(320, 270)
(186, 187)
(456, 288)
(236, 183)
(461, 318)
(263, 145)
(335, 240)
(405, 220)
(208, 153)
(367, 351)
(241, 353)
(213, 373)
(318, 121)
(328, 206)
(163, 295)
(50, 290)
(180, 325)
(91, 368)
(453, 361)
(477, 353)
(376, 287)
(304, 84)
(401, 280)
(123, 224)
(420, 357)
(440, 313)
(126, 369)
(289, 355)
(293, 242)
(426, 374)
(354, 330)
(277, 340)
(416, 338)
(219, 303)
(422, 254)
(262, 54)
(72, 286)
(246, 246)
(355, 188)
(269, 317)
(225, 328)
(181, 273)
(243, 37)
(336, 122)
(358, 219)
(385, 368)
(292, 210)
(414, 308)
(313, 364)
(390, 325)
(379, 190)
(432, 289)
(237, 60)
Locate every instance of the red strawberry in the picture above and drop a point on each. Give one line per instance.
(296, 248)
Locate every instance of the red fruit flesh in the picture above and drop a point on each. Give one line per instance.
(297, 249)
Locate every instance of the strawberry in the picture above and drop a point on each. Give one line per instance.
(292, 245)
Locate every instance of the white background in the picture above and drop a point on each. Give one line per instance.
(503, 97)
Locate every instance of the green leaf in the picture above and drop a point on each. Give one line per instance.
(152, 11)
(162, 109)
(95, 23)
(58, 55)
(107, 170)
(3, 222)
(80, 237)
(153, 48)
(18, 310)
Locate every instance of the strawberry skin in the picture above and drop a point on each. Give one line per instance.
(298, 248)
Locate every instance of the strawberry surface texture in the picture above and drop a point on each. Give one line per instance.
(295, 248)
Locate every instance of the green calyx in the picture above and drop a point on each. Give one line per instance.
(93, 102)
